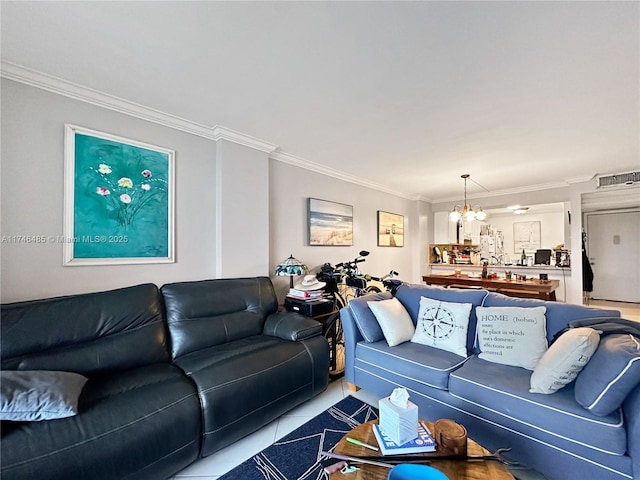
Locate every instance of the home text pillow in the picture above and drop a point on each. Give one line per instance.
(564, 360)
(395, 322)
(443, 325)
(32, 395)
(512, 335)
(612, 372)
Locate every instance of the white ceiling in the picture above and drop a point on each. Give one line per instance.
(408, 95)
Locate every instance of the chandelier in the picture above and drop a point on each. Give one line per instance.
(466, 213)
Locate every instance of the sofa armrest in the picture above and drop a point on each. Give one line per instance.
(631, 410)
(351, 338)
(291, 326)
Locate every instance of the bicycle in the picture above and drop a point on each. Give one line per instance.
(343, 282)
(390, 284)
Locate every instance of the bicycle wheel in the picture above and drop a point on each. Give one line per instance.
(335, 336)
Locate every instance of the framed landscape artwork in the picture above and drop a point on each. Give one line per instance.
(390, 229)
(330, 223)
(119, 200)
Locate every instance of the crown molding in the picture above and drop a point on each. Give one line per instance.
(290, 159)
(33, 78)
(27, 76)
(50, 83)
(223, 133)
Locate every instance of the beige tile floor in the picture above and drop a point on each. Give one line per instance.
(214, 466)
(630, 311)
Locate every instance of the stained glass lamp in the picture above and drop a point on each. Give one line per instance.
(291, 267)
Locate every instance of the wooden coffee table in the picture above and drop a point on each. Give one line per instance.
(454, 469)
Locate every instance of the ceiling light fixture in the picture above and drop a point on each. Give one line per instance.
(518, 210)
(466, 213)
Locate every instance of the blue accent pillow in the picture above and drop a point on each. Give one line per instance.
(610, 375)
(33, 395)
(364, 317)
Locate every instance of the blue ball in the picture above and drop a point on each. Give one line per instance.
(408, 471)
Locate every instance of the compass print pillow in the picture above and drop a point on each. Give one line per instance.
(443, 325)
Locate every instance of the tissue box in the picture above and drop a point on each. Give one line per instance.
(399, 424)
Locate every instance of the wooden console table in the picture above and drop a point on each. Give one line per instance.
(530, 288)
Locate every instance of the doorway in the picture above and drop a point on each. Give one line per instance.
(613, 249)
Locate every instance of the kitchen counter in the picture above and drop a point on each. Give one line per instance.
(530, 288)
(562, 274)
(499, 268)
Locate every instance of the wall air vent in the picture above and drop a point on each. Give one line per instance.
(618, 179)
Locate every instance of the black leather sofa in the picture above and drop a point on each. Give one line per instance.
(173, 375)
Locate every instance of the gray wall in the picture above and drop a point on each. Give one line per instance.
(32, 196)
(237, 212)
(290, 188)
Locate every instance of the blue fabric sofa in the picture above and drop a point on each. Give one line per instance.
(551, 433)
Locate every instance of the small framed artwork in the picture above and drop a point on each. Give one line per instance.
(330, 223)
(390, 229)
(526, 236)
(119, 200)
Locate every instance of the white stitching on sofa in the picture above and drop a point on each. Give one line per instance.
(555, 447)
(215, 387)
(618, 377)
(136, 474)
(453, 367)
(121, 427)
(362, 330)
(571, 440)
(399, 374)
(313, 368)
(614, 425)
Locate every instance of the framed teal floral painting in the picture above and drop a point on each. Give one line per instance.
(119, 200)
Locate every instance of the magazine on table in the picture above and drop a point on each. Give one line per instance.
(423, 443)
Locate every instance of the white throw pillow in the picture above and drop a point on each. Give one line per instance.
(394, 320)
(512, 335)
(564, 360)
(443, 325)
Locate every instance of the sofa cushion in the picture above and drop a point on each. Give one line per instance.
(291, 326)
(488, 387)
(364, 317)
(246, 383)
(611, 374)
(409, 362)
(32, 395)
(558, 315)
(395, 323)
(443, 325)
(86, 334)
(141, 423)
(211, 312)
(409, 296)
(512, 335)
(564, 359)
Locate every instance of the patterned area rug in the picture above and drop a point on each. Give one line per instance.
(297, 455)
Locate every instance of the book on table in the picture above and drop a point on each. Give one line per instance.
(305, 294)
(422, 444)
